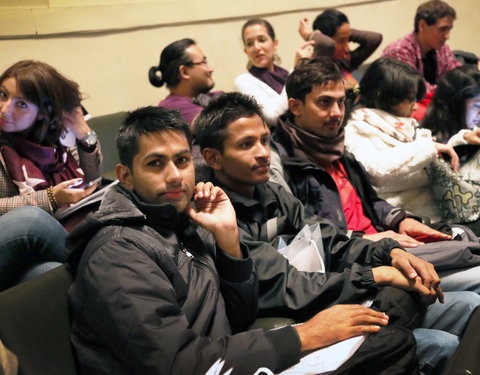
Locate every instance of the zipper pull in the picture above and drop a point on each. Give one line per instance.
(185, 251)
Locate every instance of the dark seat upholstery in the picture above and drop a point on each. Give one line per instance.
(35, 324)
(465, 360)
(106, 127)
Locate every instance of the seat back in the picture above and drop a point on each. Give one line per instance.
(106, 127)
(35, 324)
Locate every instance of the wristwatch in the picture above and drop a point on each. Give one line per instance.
(90, 140)
(89, 143)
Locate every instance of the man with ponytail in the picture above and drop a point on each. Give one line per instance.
(184, 69)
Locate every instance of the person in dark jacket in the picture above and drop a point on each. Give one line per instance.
(163, 285)
(234, 140)
(330, 182)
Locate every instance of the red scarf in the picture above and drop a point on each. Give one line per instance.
(34, 167)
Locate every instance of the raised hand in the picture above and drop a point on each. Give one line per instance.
(304, 28)
(445, 149)
(304, 52)
(215, 212)
(75, 121)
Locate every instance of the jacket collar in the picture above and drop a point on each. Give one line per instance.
(256, 208)
(122, 207)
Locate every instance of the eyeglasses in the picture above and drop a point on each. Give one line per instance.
(203, 62)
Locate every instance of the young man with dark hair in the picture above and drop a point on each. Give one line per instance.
(328, 180)
(331, 183)
(235, 144)
(162, 284)
(425, 48)
(310, 140)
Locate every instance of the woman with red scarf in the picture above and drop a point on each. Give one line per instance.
(46, 149)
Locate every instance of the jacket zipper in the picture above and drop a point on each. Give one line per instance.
(185, 251)
(198, 260)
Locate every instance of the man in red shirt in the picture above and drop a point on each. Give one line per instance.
(331, 183)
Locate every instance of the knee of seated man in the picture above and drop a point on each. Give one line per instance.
(462, 304)
(434, 348)
(402, 307)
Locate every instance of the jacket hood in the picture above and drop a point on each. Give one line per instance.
(122, 207)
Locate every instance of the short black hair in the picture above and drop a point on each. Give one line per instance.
(446, 114)
(211, 125)
(319, 71)
(329, 21)
(388, 82)
(171, 58)
(147, 120)
(431, 11)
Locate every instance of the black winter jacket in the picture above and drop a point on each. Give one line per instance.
(152, 295)
(283, 289)
(317, 190)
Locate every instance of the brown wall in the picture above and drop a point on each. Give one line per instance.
(108, 49)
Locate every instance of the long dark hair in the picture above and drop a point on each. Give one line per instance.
(388, 82)
(172, 57)
(446, 113)
(50, 91)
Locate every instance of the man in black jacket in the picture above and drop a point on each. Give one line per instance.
(332, 184)
(235, 143)
(162, 284)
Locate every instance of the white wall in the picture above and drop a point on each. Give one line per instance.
(105, 49)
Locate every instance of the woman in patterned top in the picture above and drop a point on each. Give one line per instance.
(46, 148)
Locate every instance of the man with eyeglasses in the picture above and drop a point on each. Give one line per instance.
(185, 70)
